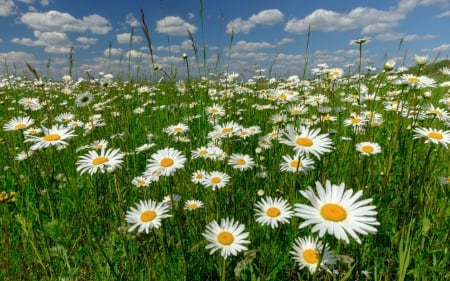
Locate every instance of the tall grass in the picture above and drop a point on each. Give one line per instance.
(59, 224)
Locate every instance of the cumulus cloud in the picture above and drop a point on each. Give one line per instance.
(392, 36)
(239, 25)
(113, 52)
(443, 15)
(7, 7)
(124, 38)
(53, 42)
(15, 57)
(268, 17)
(442, 48)
(86, 40)
(265, 17)
(131, 20)
(175, 26)
(59, 22)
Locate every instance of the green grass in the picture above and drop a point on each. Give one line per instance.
(65, 226)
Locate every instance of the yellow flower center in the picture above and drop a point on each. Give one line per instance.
(52, 137)
(435, 135)
(99, 146)
(437, 112)
(356, 120)
(177, 129)
(148, 215)
(367, 149)
(199, 176)
(273, 212)
(100, 160)
(311, 256)
(193, 206)
(227, 130)
(225, 238)
(216, 180)
(295, 112)
(167, 162)
(296, 164)
(240, 162)
(282, 96)
(213, 110)
(203, 152)
(333, 212)
(19, 126)
(141, 182)
(413, 80)
(302, 141)
(326, 117)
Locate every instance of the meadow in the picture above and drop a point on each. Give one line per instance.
(220, 177)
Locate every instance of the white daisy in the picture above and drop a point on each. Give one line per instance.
(336, 212)
(308, 141)
(192, 205)
(309, 252)
(18, 123)
(55, 136)
(228, 237)
(215, 180)
(166, 161)
(147, 215)
(435, 136)
(93, 162)
(368, 148)
(241, 161)
(296, 164)
(270, 211)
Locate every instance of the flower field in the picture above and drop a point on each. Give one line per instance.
(337, 176)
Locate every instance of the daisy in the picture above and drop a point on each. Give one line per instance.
(64, 117)
(355, 120)
(336, 212)
(368, 148)
(171, 199)
(296, 164)
(141, 181)
(228, 129)
(308, 141)
(439, 113)
(270, 211)
(215, 180)
(444, 180)
(201, 152)
(84, 99)
(192, 205)
(215, 110)
(166, 161)
(147, 215)
(228, 237)
(198, 176)
(18, 123)
(307, 252)
(433, 135)
(93, 162)
(174, 130)
(144, 147)
(241, 161)
(55, 136)
(99, 144)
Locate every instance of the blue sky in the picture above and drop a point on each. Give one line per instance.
(267, 34)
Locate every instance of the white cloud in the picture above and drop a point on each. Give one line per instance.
(443, 15)
(239, 25)
(58, 21)
(267, 17)
(15, 57)
(53, 42)
(124, 38)
(86, 40)
(252, 46)
(7, 7)
(392, 36)
(191, 16)
(113, 52)
(442, 48)
(131, 20)
(175, 26)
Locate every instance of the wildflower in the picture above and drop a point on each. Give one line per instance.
(192, 205)
(144, 147)
(421, 60)
(309, 252)
(360, 41)
(355, 120)
(99, 144)
(215, 110)
(270, 211)
(198, 176)
(308, 141)
(368, 148)
(18, 123)
(389, 65)
(228, 129)
(93, 162)
(174, 130)
(141, 181)
(65, 117)
(435, 136)
(147, 215)
(444, 180)
(439, 113)
(295, 164)
(84, 99)
(228, 237)
(171, 199)
(336, 212)
(55, 136)
(166, 161)
(215, 180)
(201, 152)
(241, 161)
